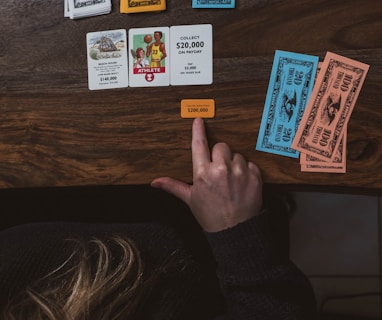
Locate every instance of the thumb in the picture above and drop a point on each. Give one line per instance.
(177, 188)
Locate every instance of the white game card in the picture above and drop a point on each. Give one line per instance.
(107, 59)
(149, 57)
(191, 54)
(66, 9)
(84, 8)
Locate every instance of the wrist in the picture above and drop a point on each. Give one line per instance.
(241, 243)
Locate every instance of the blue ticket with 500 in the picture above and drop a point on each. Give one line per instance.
(291, 83)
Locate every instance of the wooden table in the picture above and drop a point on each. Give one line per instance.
(54, 131)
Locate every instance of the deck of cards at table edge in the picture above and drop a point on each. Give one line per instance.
(320, 134)
(76, 9)
(128, 6)
(155, 56)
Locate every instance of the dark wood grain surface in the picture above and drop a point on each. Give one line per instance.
(55, 132)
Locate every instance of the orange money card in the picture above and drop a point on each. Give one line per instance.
(133, 6)
(197, 108)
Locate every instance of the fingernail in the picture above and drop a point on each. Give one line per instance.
(155, 184)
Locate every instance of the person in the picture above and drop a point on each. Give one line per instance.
(157, 50)
(140, 61)
(151, 270)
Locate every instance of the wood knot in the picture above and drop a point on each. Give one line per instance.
(3, 47)
(361, 150)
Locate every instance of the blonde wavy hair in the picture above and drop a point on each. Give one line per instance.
(95, 286)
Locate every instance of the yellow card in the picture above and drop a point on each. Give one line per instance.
(197, 108)
(132, 6)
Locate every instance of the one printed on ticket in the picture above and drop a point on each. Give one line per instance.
(217, 4)
(197, 108)
(134, 6)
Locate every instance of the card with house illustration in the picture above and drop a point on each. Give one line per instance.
(107, 59)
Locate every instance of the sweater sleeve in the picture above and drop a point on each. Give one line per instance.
(256, 281)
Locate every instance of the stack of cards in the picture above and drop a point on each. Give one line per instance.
(300, 118)
(225, 4)
(133, 6)
(76, 9)
(158, 56)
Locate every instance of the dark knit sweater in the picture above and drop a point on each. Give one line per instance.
(252, 281)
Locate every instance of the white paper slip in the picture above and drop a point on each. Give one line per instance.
(77, 9)
(191, 54)
(107, 59)
(149, 64)
(66, 9)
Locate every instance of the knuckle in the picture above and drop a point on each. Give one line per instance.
(239, 170)
(199, 142)
(221, 170)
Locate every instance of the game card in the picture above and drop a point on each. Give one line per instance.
(197, 108)
(66, 9)
(149, 64)
(216, 4)
(84, 8)
(107, 59)
(191, 54)
(133, 6)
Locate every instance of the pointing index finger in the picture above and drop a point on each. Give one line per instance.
(200, 150)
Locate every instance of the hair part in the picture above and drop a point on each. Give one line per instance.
(90, 284)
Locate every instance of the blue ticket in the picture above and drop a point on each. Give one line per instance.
(213, 4)
(290, 85)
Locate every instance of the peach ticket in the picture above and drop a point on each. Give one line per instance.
(338, 165)
(330, 106)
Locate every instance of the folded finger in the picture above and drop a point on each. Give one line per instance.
(221, 153)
